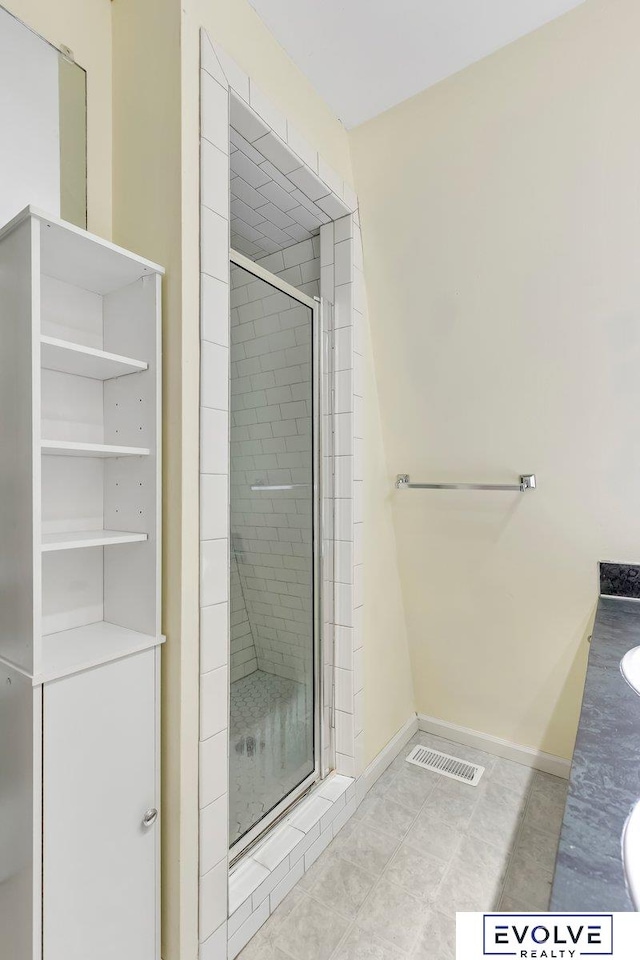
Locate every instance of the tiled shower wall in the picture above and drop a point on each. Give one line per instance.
(243, 657)
(341, 281)
(342, 284)
(271, 533)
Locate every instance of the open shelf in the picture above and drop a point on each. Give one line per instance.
(71, 254)
(66, 448)
(77, 539)
(83, 647)
(67, 357)
(80, 629)
(80, 377)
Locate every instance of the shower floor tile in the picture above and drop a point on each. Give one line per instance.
(418, 848)
(270, 745)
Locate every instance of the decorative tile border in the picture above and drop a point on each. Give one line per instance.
(225, 87)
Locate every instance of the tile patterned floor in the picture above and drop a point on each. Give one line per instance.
(421, 847)
(271, 745)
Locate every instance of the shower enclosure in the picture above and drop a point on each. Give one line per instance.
(276, 548)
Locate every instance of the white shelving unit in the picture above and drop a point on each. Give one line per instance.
(65, 357)
(69, 448)
(88, 538)
(83, 647)
(80, 577)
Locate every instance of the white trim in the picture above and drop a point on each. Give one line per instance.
(528, 756)
(251, 266)
(388, 754)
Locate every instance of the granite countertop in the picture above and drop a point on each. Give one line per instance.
(605, 774)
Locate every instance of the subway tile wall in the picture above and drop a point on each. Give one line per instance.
(290, 162)
(214, 532)
(341, 283)
(243, 656)
(271, 444)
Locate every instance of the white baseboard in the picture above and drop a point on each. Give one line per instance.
(387, 755)
(528, 756)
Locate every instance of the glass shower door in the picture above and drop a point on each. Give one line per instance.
(273, 750)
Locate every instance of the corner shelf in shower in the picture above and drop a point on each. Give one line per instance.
(64, 356)
(68, 448)
(78, 539)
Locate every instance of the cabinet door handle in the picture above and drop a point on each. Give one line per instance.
(150, 818)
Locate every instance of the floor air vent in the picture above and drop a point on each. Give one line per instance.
(449, 766)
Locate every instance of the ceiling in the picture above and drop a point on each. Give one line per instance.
(364, 56)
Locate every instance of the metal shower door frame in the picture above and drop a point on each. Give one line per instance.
(240, 847)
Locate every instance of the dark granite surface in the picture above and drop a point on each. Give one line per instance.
(620, 580)
(605, 773)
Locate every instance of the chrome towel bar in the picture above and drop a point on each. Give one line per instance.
(527, 482)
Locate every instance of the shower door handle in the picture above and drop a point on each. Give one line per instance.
(278, 486)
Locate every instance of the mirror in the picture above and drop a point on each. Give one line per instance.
(43, 119)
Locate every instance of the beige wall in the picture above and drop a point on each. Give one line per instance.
(501, 232)
(388, 690)
(85, 27)
(147, 218)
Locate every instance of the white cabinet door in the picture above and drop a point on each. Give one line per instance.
(20, 816)
(100, 861)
